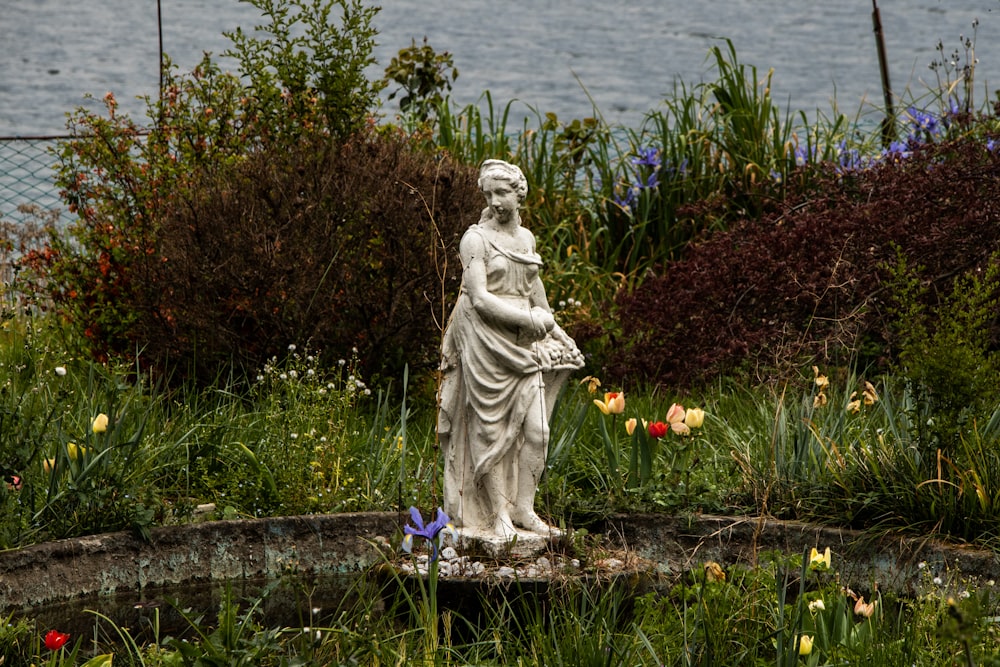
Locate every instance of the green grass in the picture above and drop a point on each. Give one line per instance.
(311, 437)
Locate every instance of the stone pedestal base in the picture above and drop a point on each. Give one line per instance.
(525, 544)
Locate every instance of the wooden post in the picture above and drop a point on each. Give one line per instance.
(889, 122)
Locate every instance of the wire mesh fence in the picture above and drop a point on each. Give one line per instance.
(27, 177)
(29, 199)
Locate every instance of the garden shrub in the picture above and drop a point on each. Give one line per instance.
(810, 282)
(257, 210)
(341, 246)
(944, 351)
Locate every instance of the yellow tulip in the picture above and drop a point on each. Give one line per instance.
(869, 393)
(821, 380)
(819, 561)
(592, 383)
(805, 644)
(694, 418)
(100, 423)
(48, 465)
(714, 571)
(630, 425)
(74, 451)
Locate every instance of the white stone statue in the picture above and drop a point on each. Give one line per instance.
(504, 360)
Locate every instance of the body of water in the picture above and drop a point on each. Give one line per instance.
(550, 55)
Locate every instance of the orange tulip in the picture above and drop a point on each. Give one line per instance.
(862, 608)
(613, 403)
(680, 428)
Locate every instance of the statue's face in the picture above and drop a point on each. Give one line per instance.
(500, 197)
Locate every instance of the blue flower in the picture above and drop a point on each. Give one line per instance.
(804, 155)
(925, 125)
(897, 150)
(849, 159)
(627, 200)
(430, 532)
(649, 157)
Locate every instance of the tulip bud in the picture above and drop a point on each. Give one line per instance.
(100, 423)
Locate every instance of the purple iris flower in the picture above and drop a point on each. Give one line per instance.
(925, 125)
(627, 200)
(649, 157)
(897, 150)
(850, 159)
(804, 155)
(430, 532)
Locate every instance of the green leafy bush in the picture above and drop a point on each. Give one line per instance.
(944, 351)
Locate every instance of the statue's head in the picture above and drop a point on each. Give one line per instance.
(505, 171)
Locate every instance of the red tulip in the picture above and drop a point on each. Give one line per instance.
(55, 640)
(657, 429)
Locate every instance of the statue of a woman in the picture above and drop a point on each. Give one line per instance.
(504, 360)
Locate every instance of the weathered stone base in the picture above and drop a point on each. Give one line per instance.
(525, 545)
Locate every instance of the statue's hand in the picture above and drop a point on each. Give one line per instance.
(543, 317)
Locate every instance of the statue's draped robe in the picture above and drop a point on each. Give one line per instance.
(490, 381)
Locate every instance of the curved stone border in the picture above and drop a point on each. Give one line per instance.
(187, 554)
(863, 561)
(342, 543)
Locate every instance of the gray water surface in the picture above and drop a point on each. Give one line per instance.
(547, 54)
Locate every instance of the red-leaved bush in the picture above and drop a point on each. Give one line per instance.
(809, 283)
(338, 246)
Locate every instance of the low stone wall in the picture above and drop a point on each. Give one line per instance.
(343, 543)
(863, 561)
(189, 554)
